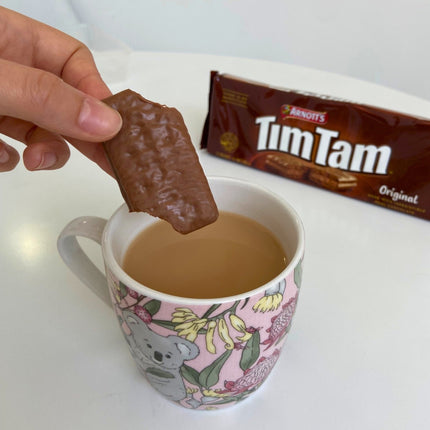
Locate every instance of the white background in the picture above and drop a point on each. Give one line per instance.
(381, 41)
(357, 356)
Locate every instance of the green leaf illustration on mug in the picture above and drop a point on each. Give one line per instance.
(209, 376)
(190, 374)
(153, 306)
(251, 352)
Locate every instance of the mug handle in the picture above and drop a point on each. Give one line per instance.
(74, 256)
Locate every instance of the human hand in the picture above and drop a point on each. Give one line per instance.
(50, 90)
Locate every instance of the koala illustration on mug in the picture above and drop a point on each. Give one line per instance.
(160, 358)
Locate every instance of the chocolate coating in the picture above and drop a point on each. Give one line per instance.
(156, 164)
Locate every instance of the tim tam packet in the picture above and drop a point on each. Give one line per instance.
(359, 151)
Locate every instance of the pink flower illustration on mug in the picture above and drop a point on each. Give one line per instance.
(281, 323)
(253, 377)
(143, 314)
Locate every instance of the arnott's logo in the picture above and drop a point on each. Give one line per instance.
(290, 111)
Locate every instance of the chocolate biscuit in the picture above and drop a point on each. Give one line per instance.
(156, 165)
(287, 166)
(332, 179)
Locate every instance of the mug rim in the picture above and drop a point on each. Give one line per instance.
(112, 264)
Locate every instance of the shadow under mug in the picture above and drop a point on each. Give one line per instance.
(200, 353)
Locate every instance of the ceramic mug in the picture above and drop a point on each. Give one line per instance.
(199, 353)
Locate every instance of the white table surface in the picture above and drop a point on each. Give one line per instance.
(357, 357)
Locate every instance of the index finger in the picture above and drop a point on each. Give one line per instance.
(26, 41)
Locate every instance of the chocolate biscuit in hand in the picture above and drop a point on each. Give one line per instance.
(156, 165)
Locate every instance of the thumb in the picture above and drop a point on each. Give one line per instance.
(46, 100)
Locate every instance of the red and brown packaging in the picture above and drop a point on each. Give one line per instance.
(359, 151)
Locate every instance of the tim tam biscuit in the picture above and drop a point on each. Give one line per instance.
(359, 151)
(156, 165)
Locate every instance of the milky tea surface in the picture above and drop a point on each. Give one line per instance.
(233, 255)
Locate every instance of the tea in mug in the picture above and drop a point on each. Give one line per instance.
(233, 255)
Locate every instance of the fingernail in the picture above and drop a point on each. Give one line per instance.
(47, 160)
(98, 119)
(4, 156)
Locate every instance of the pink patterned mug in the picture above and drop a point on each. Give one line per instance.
(199, 353)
